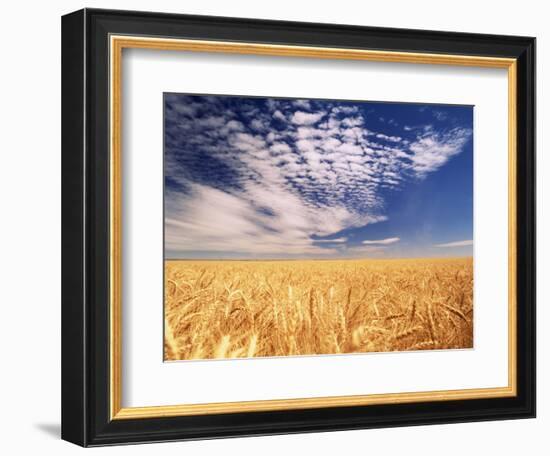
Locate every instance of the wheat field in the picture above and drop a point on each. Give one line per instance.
(236, 309)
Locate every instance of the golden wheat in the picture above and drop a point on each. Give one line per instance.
(235, 309)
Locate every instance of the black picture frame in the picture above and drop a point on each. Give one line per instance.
(85, 224)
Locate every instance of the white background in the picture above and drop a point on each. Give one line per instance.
(148, 73)
(30, 228)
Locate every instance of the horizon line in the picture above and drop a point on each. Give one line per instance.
(323, 259)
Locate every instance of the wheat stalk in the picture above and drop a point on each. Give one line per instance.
(225, 309)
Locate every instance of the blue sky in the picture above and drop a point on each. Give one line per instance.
(262, 177)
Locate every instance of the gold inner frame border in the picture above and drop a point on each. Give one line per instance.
(116, 46)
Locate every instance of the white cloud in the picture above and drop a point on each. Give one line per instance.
(305, 118)
(389, 138)
(340, 240)
(433, 150)
(349, 148)
(258, 125)
(214, 122)
(279, 115)
(456, 244)
(280, 148)
(440, 115)
(305, 146)
(234, 125)
(247, 142)
(304, 104)
(387, 241)
(347, 110)
(362, 250)
(352, 121)
(187, 109)
(262, 219)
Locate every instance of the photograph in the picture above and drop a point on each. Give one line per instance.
(348, 206)
(301, 227)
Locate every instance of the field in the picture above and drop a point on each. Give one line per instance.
(236, 309)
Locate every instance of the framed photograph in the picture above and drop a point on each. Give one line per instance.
(278, 227)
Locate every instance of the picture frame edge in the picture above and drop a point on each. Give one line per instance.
(86, 419)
